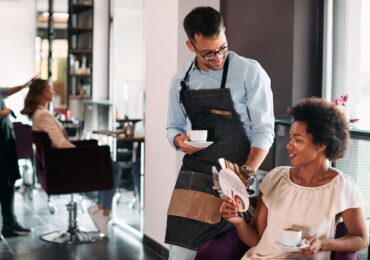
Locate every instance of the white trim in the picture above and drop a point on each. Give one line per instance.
(327, 50)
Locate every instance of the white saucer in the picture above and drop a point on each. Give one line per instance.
(198, 144)
(301, 245)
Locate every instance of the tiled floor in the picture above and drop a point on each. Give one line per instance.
(35, 214)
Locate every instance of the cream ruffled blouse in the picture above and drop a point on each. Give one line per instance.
(316, 210)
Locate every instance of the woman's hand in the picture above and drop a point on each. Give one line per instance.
(230, 211)
(179, 143)
(315, 245)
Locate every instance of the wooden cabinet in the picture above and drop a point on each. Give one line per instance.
(80, 49)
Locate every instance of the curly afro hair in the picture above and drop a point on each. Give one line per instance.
(326, 123)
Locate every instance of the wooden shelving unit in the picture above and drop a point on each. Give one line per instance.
(80, 49)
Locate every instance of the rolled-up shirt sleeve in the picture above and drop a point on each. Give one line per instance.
(176, 116)
(260, 109)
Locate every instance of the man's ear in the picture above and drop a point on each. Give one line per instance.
(190, 46)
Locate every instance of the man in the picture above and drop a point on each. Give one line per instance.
(9, 170)
(228, 95)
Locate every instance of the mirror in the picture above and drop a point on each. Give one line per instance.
(58, 47)
(127, 77)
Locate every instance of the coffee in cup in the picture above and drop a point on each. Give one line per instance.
(290, 236)
(198, 135)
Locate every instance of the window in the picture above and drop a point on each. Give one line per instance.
(350, 56)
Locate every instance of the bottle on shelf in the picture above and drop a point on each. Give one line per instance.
(83, 64)
(71, 63)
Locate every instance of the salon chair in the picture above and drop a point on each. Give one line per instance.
(87, 167)
(130, 169)
(23, 139)
(216, 249)
(341, 231)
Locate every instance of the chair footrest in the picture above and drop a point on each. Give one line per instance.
(75, 236)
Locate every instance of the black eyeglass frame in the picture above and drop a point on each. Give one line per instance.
(222, 51)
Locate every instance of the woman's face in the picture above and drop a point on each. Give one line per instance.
(48, 93)
(301, 149)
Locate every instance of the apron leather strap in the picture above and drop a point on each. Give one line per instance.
(183, 83)
(224, 74)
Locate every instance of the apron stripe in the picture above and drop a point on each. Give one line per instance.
(195, 205)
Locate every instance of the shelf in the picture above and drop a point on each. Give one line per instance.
(78, 97)
(81, 29)
(82, 51)
(80, 75)
(99, 102)
(79, 8)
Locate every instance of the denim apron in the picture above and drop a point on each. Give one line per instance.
(193, 214)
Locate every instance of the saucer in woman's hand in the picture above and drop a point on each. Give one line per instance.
(301, 245)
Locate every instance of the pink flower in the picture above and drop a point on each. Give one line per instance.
(344, 98)
(341, 100)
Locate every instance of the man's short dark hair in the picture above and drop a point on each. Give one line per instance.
(203, 20)
(327, 124)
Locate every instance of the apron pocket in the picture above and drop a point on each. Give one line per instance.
(223, 113)
(195, 205)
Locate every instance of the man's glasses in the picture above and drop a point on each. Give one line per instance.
(211, 55)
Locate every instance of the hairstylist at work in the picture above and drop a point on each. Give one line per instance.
(230, 97)
(9, 170)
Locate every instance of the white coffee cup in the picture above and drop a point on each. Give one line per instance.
(290, 236)
(198, 135)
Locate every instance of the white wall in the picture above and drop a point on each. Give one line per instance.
(160, 159)
(100, 50)
(127, 58)
(17, 47)
(165, 49)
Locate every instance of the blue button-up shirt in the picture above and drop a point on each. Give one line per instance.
(250, 89)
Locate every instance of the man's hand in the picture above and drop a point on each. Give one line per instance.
(244, 172)
(179, 143)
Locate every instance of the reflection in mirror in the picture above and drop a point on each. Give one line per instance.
(127, 77)
(59, 47)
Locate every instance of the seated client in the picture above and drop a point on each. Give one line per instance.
(310, 195)
(39, 96)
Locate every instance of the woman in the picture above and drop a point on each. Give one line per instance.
(35, 106)
(9, 170)
(310, 195)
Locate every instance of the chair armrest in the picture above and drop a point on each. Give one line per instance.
(85, 142)
(341, 231)
(79, 169)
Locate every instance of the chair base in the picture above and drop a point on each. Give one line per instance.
(74, 236)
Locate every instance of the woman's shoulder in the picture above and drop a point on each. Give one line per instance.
(276, 175)
(41, 116)
(278, 172)
(40, 111)
(345, 180)
(346, 192)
